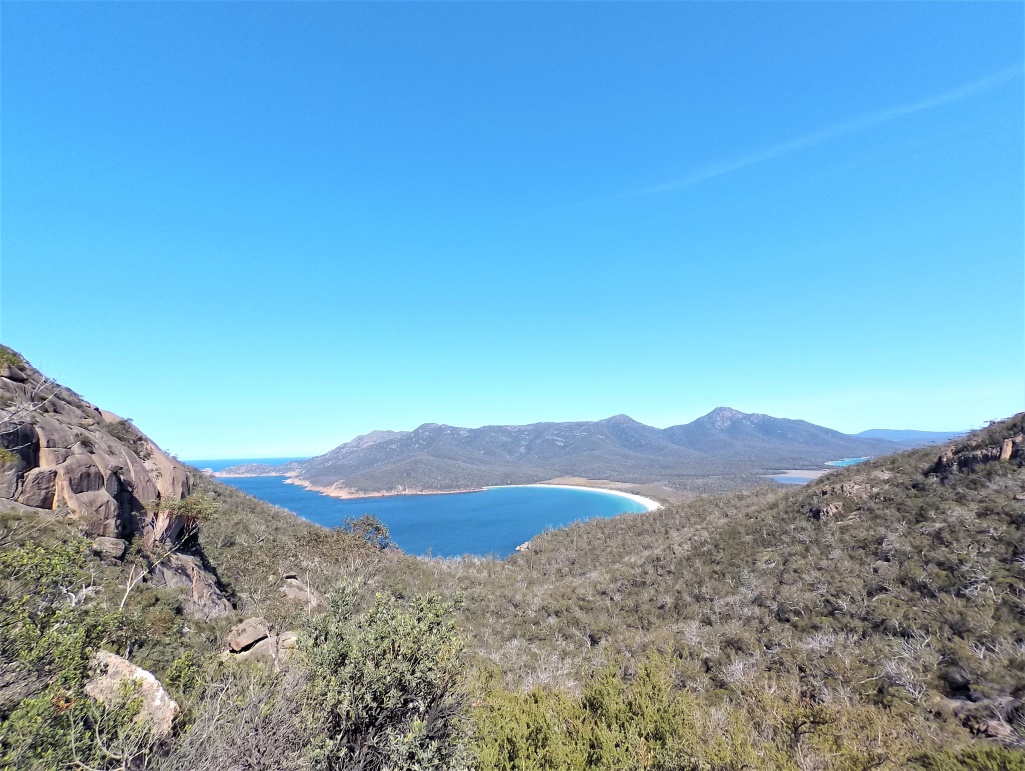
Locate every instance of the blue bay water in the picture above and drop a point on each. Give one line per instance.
(493, 521)
(799, 480)
(846, 462)
(791, 480)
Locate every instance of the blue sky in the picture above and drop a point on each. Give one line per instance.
(261, 229)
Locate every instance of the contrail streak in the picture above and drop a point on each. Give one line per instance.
(833, 132)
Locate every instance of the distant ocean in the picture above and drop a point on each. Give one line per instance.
(493, 521)
(219, 465)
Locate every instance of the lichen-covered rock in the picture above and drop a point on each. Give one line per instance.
(98, 513)
(111, 673)
(296, 590)
(111, 548)
(20, 455)
(13, 373)
(79, 474)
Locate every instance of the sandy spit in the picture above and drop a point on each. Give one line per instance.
(347, 493)
(800, 473)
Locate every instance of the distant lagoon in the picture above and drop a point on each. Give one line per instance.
(785, 480)
(846, 461)
(493, 521)
(795, 478)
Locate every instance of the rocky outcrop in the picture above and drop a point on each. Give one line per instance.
(252, 641)
(202, 597)
(38, 488)
(966, 457)
(851, 490)
(247, 634)
(273, 649)
(836, 497)
(294, 589)
(62, 453)
(111, 674)
(826, 510)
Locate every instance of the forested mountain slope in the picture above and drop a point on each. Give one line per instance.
(723, 444)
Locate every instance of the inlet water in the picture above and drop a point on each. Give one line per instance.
(493, 521)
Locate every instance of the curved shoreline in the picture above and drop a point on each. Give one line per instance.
(647, 503)
(349, 494)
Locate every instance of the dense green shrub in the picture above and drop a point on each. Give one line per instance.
(386, 684)
(651, 721)
(48, 634)
(10, 358)
(974, 759)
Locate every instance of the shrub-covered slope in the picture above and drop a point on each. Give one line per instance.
(898, 584)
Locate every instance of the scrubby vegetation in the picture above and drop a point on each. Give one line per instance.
(125, 432)
(873, 619)
(9, 357)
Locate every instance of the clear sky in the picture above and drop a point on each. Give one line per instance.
(261, 229)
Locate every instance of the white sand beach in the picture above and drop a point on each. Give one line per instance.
(647, 503)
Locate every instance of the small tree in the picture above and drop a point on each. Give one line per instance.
(370, 529)
(386, 684)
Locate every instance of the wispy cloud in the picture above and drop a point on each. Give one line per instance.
(833, 132)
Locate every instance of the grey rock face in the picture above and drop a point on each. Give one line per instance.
(202, 597)
(68, 453)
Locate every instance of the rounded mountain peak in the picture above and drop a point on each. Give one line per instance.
(724, 417)
(620, 420)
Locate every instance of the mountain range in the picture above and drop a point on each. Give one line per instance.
(723, 444)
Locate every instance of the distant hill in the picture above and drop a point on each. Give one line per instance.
(763, 441)
(726, 445)
(912, 437)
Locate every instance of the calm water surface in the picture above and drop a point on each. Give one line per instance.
(493, 521)
(791, 480)
(846, 462)
(796, 480)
